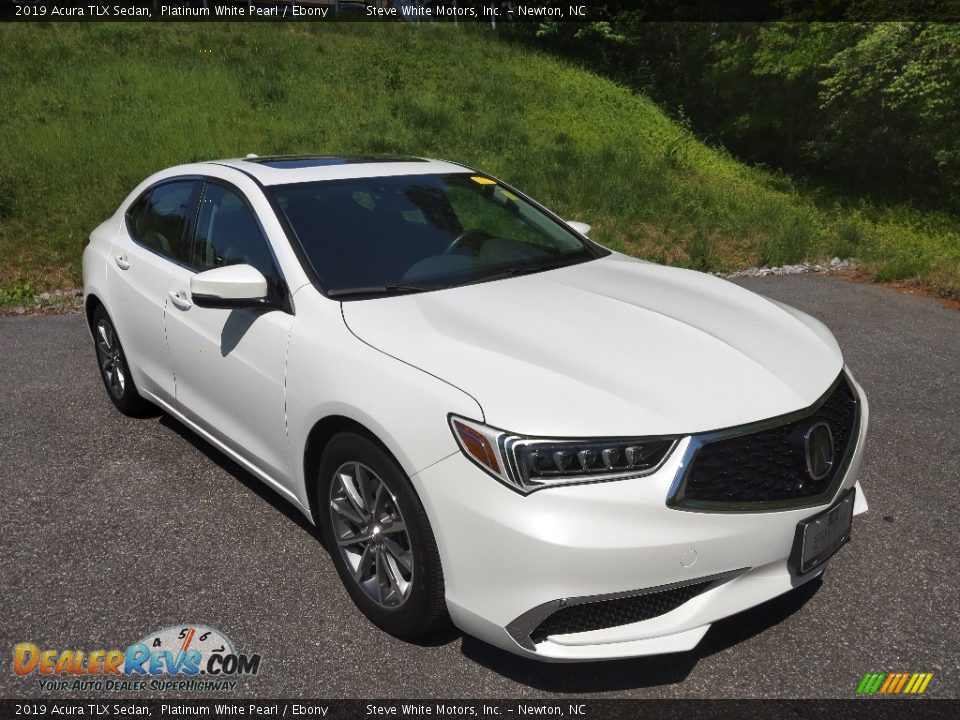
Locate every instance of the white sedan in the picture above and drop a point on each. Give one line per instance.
(571, 453)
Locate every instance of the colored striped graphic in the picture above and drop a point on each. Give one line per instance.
(894, 683)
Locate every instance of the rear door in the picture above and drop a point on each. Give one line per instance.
(230, 365)
(153, 243)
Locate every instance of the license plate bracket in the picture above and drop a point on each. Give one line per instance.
(818, 537)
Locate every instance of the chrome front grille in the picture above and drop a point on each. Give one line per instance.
(764, 466)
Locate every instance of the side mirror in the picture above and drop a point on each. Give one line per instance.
(233, 286)
(580, 227)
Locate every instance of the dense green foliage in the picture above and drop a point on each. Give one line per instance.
(870, 107)
(92, 109)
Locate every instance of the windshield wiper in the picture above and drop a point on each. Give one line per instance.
(386, 288)
(526, 269)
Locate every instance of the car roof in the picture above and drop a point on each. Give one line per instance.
(284, 169)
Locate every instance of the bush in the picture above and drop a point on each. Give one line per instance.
(846, 238)
(17, 294)
(700, 249)
(790, 243)
(7, 196)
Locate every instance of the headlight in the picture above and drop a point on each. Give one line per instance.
(530, 463)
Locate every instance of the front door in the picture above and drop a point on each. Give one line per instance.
(230, 365)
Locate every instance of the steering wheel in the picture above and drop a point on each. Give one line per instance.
(474, 235)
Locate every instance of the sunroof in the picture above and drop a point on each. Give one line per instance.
(291, 162)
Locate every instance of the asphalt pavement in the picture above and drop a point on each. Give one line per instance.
(114, 527)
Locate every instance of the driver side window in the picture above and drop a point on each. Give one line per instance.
(228, 234)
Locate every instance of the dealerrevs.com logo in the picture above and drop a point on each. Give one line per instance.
(176, 658)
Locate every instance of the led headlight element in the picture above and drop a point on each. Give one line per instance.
(530, 463)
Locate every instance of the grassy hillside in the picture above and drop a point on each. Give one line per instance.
(90, 110)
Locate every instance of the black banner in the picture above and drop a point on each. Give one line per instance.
(476, 11)
(571, 709)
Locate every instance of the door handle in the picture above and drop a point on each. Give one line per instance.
(180, 300)
(121, 261)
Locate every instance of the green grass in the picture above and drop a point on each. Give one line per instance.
(92, 109)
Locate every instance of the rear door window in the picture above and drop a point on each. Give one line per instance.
(162, 227)
(135, 215)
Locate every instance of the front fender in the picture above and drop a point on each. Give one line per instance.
(331, 372)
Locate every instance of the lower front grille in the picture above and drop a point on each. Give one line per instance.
(601, 614)
(765, 465)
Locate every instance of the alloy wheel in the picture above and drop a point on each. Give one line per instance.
(111, 362)
(371, 534)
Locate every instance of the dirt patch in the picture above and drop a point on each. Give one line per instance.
(906, 287)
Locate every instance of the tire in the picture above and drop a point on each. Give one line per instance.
(114, 370)
(394, 575)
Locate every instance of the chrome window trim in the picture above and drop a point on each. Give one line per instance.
(190, 229)
(677, 501)
(523, 626)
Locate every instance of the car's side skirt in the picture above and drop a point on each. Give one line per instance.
(229, 452)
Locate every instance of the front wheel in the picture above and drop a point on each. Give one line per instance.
(379, 537)
(114, 370)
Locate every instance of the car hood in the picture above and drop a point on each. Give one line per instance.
(615, 346)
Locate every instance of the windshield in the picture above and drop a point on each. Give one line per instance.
(370, 236)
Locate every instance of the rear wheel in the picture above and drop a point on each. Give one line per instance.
(379, 537)
(114, 370)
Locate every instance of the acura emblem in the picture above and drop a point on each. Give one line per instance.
(818, 442)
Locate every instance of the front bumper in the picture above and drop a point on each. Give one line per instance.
(505, 555)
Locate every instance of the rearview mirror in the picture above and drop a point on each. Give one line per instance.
(233, 286)
(580, 227)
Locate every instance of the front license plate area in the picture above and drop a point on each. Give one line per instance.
(819, 537)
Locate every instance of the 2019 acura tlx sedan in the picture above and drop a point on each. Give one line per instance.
(571, 453)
